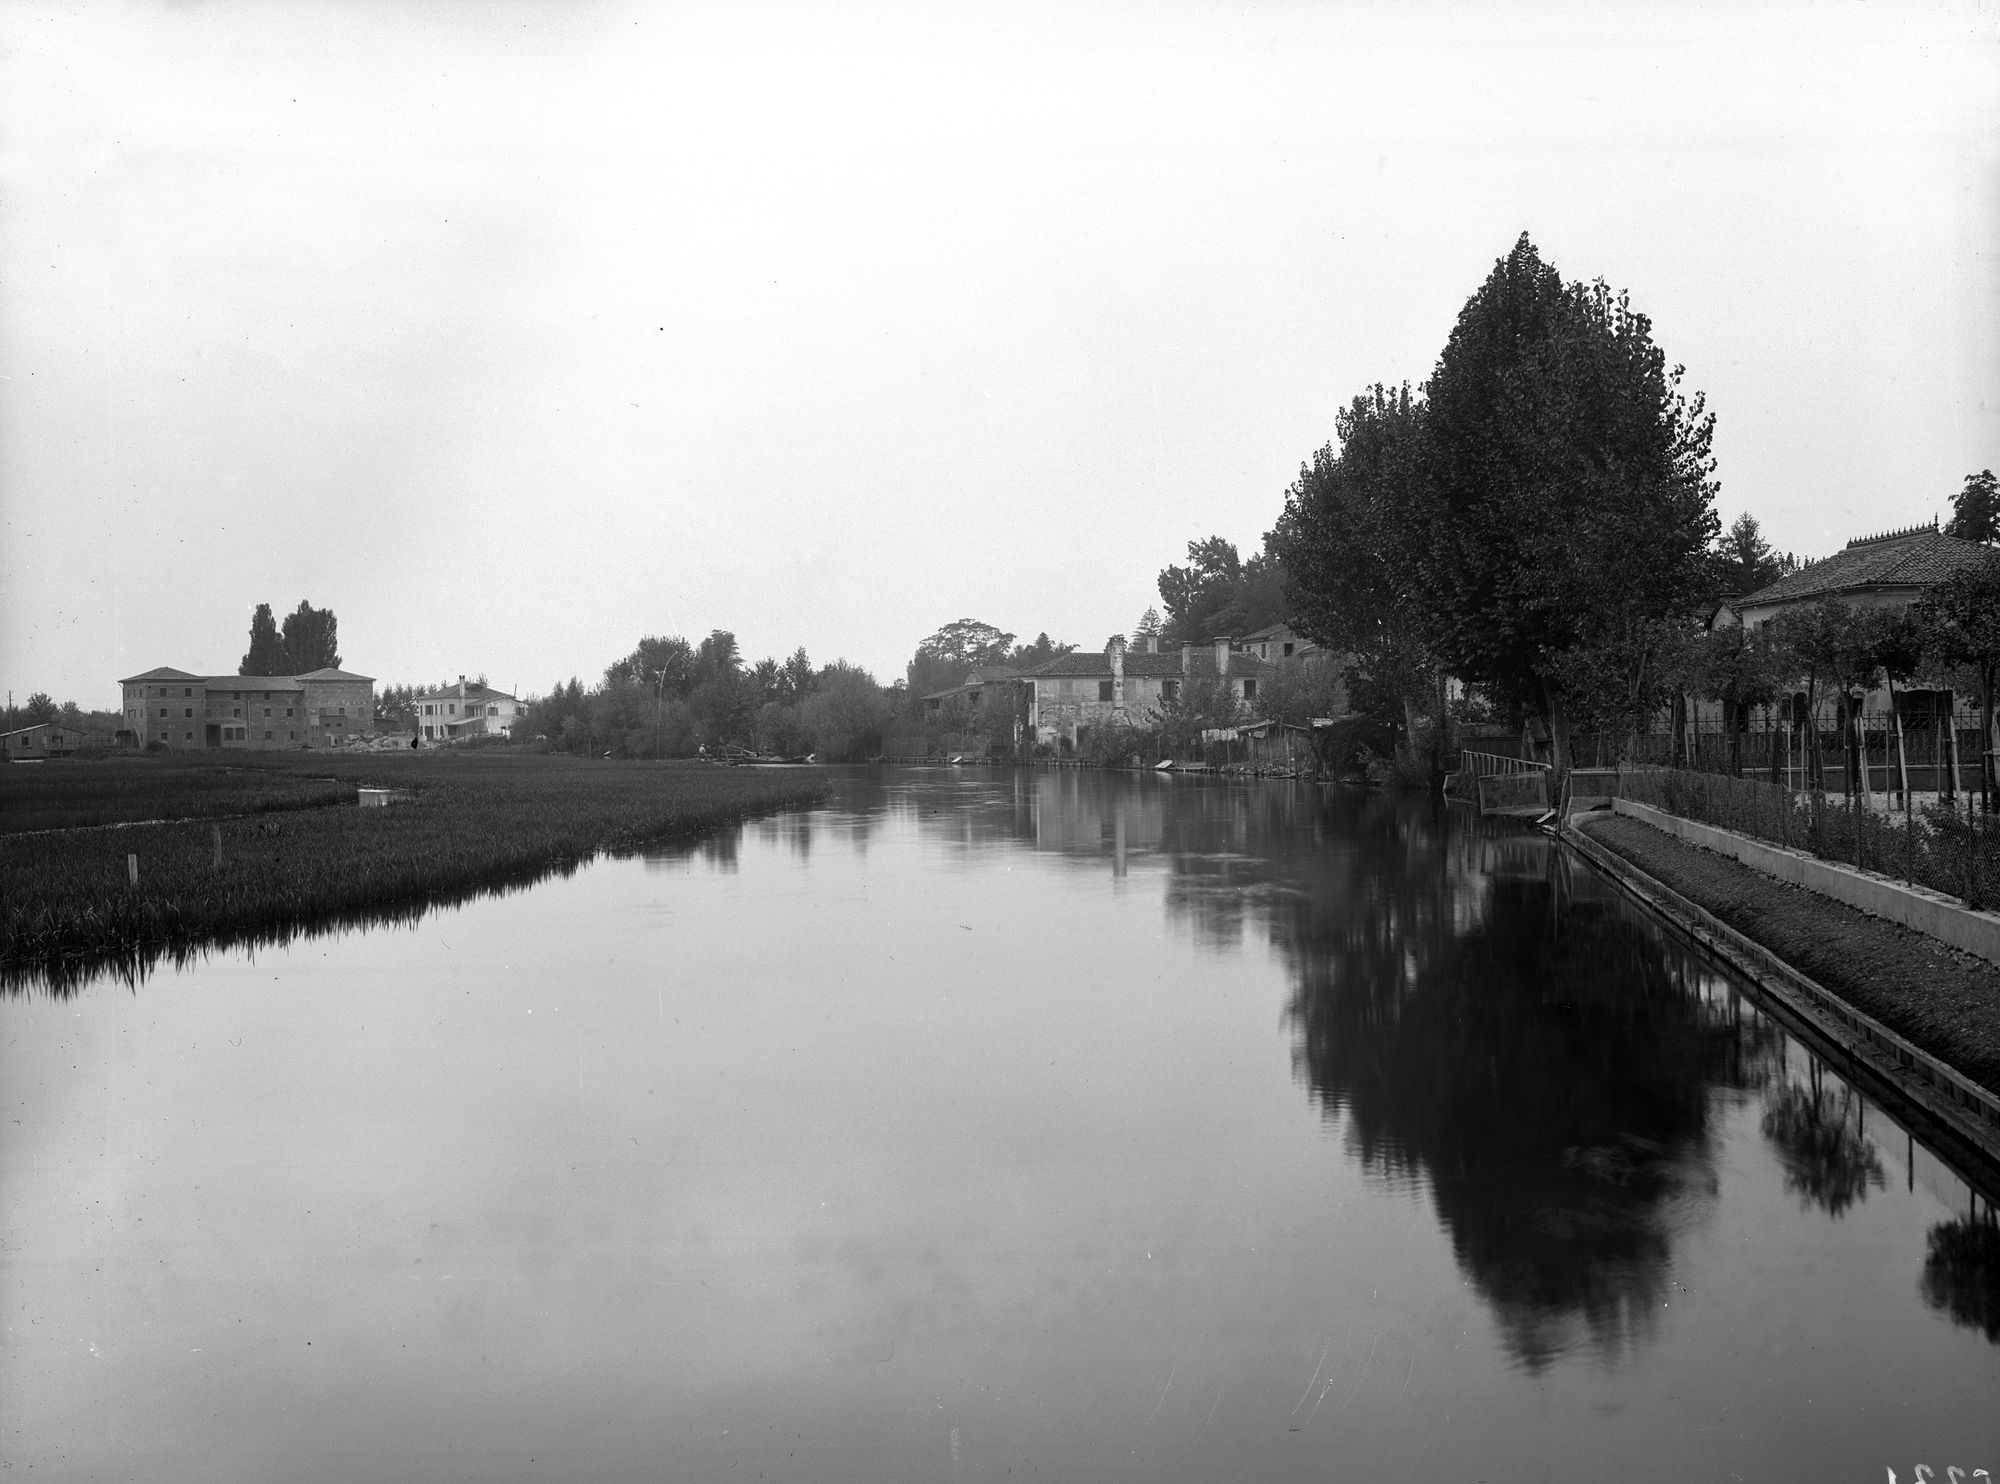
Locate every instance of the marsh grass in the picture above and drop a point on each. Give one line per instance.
(67, 909)
(70, 794)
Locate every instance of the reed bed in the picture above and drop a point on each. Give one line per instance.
(67, 905)
(70, 794)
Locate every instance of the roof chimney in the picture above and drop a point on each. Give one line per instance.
(1222, 657)
(1187, 659)
(461, 686)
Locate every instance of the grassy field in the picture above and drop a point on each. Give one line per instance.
(475, 821)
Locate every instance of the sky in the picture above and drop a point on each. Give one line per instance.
(515, 332)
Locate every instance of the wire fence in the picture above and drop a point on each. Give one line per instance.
(1945, 846)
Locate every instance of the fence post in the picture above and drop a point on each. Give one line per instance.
(218, 847)
(132, 869)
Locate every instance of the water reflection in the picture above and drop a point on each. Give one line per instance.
(1828, 1159)
(63, 977)
(1961, 1277)
(1546, 1063)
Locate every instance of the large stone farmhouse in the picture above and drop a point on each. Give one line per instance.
(183, 712)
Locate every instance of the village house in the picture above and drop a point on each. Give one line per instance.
(1120, 686)
(1892, 570)
(1277, 642)
(972, 690)
(184, 712)
(467, 709)
(43, 739)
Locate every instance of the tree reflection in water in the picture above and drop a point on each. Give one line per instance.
(1961, 1276)
(1829, 1162)
(1546, 1062)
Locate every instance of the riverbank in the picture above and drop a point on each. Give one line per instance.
(1944, 1002)
(68, 904)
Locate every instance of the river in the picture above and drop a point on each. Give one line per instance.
(977, 1126)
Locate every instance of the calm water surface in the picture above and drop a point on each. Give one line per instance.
(1046, 1125)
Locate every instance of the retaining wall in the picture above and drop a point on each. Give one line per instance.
(1913, 906)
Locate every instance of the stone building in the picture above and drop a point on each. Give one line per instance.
(1121, 686)
(185, 712)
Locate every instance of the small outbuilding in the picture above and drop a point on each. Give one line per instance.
(43, 739)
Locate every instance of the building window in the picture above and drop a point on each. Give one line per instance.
(235, 710)
(1170, 690)
(163, 736)
(187, 711)
(1288, 651)
(163, 712)
(1103, 690)
(187, 690)
(267, 736)
(188, 735)
(1249, 690)
(291, 736)
(267, 710)
(453, 708)
(288, 711)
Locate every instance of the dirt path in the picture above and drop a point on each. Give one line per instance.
(1945, 1001)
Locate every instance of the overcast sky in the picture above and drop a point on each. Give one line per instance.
(513, 333)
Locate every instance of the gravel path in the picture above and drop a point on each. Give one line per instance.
(1945, 1001)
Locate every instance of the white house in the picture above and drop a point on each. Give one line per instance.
(467, 709)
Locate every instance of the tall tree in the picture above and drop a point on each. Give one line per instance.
(1975, 510)
(310, 640)
(1044, 649)
(943, 659)
(1218, 593)
(1961, 622)
(1744, 561)
(1351, 552)
(266, 655)
(662, 663)
(1571, 485)
(42, 707)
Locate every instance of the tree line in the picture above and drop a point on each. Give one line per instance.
(670, 698)
(1538, 520)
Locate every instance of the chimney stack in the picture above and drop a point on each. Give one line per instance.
(1187, 660)
(1117, 651)
(461, 687)
(1222, 658)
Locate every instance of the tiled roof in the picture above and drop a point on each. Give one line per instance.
(1140, 663)
(252, 682)
(165, 672)
(1912, 559)
(451, 693)
(332, 673)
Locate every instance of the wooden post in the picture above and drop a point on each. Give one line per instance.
(1951, 744)
(1902, 761)
(132, 869)
(218, 847)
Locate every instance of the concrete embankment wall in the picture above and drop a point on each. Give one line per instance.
(1912, 906)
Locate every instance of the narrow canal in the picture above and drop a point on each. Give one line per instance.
(1036, 1125)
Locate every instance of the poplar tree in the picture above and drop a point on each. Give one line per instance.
(266, 655)
(1571, 490)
